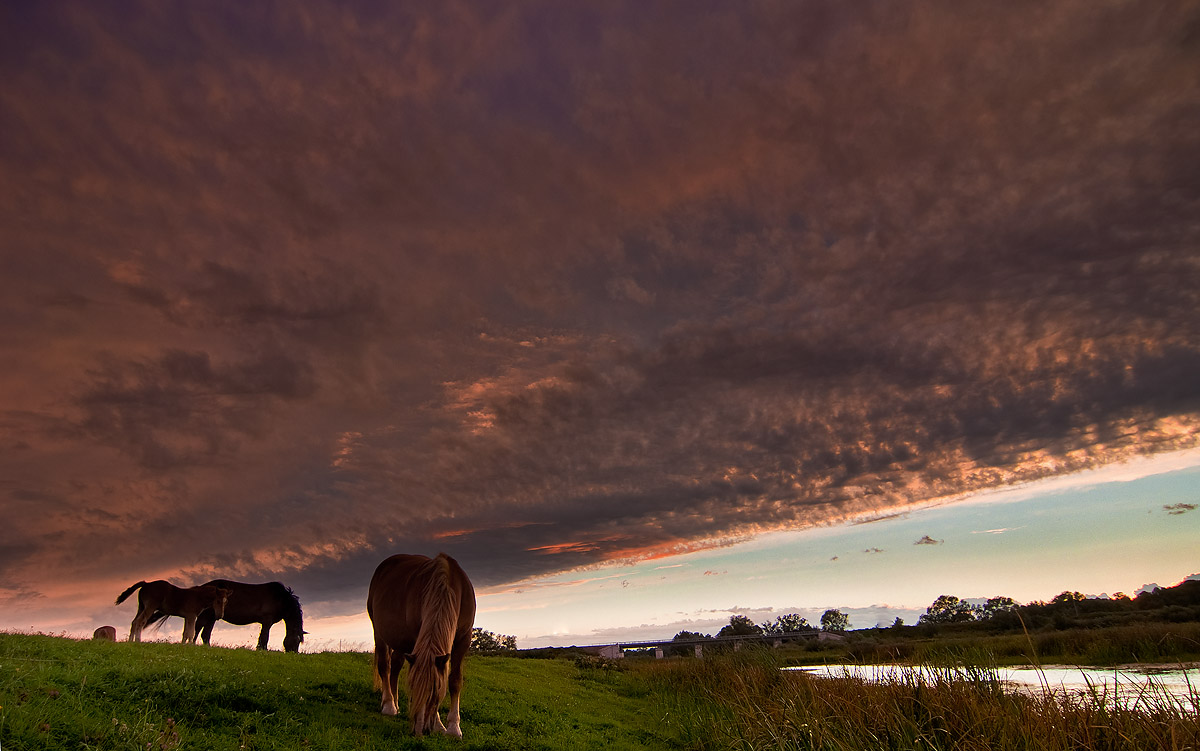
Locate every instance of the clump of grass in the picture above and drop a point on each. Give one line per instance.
(745, 701)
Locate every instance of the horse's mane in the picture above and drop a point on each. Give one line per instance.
(295, 601)
(439, 620)
(293, 616)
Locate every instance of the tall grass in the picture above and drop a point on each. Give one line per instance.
(744, 701)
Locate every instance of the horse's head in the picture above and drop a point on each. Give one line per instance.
(220, 601)
(291, 642)
(428, 676)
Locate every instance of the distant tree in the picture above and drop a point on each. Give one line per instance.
(995, 606)
(949, 609)
(787, 624)
(685, 636)
(898, 623)
(835, 621)
(740, 625)
(486, 641)
(1065, 601)
(1068, 598)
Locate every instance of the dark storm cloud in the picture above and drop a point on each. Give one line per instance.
(286, 290)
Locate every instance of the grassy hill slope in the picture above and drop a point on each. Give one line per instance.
(60, 693)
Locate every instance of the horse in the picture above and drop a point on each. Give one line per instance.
(424, 609)
(164, 597)
(105, 633)
(257, 603)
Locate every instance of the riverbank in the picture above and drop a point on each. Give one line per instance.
(1145, 686)
(746, 702)
(1111, 646)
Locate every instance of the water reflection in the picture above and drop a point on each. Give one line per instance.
(1142, 686)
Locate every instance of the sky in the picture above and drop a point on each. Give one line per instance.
(571, 291)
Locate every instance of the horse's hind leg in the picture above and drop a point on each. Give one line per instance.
(144, 614)
(189, 629)
(264, 636)
(386, 678)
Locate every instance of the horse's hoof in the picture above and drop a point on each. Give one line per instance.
(389, 710)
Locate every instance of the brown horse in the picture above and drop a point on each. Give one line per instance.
(265, 604)
(422, 608)
(164, 597)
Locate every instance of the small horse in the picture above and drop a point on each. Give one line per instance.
(422, 608)
(105, 633)
(164, 597)
(258, 603)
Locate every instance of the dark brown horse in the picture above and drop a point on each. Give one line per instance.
(258, 603)
(164, 597)
(422, 608)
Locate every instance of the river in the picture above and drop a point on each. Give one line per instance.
(1131, 686)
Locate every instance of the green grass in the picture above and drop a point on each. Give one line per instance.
(58, 693)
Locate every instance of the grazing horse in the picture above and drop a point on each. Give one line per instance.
(164, 597)
(422, 608)
(258, 603)
(105, 633)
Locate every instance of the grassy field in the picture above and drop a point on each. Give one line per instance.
(58, 693)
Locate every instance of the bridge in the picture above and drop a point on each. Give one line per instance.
(616, 650)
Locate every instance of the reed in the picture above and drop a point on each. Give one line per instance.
(745, 701)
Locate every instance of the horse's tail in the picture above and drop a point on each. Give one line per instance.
(129, 591)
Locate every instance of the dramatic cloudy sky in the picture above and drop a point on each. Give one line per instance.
(286, 288)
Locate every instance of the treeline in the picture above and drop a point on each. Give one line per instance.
(1178, 604)
(740, 625)
(490, 643)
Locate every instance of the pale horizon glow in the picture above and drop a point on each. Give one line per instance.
(601, 610)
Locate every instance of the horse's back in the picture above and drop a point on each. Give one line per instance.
(394, 600)
(255, 603)
(160, 592)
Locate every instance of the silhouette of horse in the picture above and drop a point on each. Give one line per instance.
(422, 608)
(105, 633)
(258, 603)
(164, 597)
